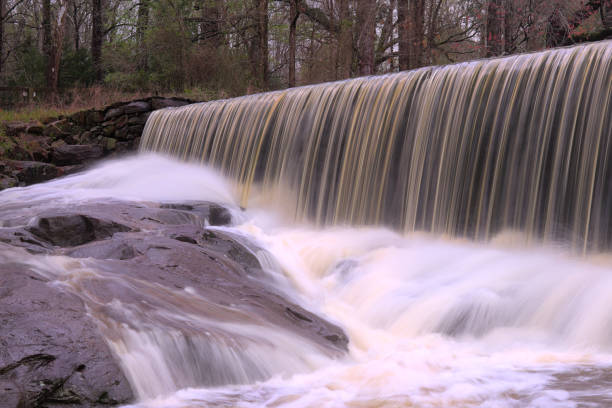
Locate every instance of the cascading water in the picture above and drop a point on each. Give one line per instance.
(514, 152)
(519, 143)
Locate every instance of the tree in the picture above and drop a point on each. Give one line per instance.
(293, 18)
(97, 37)
(366, 25)
(494, 38)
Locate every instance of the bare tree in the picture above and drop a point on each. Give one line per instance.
(97, 38)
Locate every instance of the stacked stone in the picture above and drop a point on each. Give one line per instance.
(35, 152)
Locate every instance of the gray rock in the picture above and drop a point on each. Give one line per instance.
(94, 117)
(122, 134)
(51, 351)
(36, 129)
(136, 107)
(14, 128)
(76, 154)
(138, 120)
(73, 229)
(219, 215)
(7, 182)
(160, 103)
(113, 113)
(135, 130)
(29, 172)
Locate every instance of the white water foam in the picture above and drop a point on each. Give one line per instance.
(432, 322)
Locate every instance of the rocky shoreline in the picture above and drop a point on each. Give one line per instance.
(33, 152)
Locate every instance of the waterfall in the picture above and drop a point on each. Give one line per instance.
(519, 143)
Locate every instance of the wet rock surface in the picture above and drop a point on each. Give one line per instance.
(53, 351)
(76, 154)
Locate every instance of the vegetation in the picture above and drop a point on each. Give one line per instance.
(221, 48)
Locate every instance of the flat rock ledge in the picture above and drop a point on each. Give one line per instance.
(53, 352)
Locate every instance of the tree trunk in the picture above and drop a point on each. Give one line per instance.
(344, 41)
(47, 42)
(404, 39)
(58, 41)
(259, 46)
(1, 37)
(76, 25)
(411, 30)
(494, 42)
(293, 17)
(142, 24)
(508, 27)
(416, 34)
(97, 34)
(366, 25)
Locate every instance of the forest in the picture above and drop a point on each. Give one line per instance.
(224, 48)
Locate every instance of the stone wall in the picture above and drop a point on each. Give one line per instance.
(39, 151)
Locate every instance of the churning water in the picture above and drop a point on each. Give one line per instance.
(456, 222)
(432, 321)
(492, 175)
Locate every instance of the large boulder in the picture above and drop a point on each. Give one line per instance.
(51, 351)
(69, 230)
(76, 154)
(29, 172)
(136, 107)
(136, 267)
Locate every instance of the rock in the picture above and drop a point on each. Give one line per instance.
(136, 257)
(7, 182)
(52, 352)
(160, 103)
(136, 107)
(66, 170)
(76, 154)
(14, 128)
(20, 238)
(79, 118)
(113, 113)
(58, 143)
(47, 120)
(36, 129)
(109, 143)
(109, 129)
(122, 121)
(122, 134)
(30, 172)
(94, 117)
(135, 130)
(84, 138)
(123, 147)
(58, 129)
(73, 229)
(138, 120)
(219, 215)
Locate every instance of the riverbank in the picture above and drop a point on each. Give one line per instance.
(41, 150)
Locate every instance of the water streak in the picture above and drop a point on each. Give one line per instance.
(516, 143)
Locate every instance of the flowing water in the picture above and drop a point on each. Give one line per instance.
(456, 222)
(432, 321)
(517, 143)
